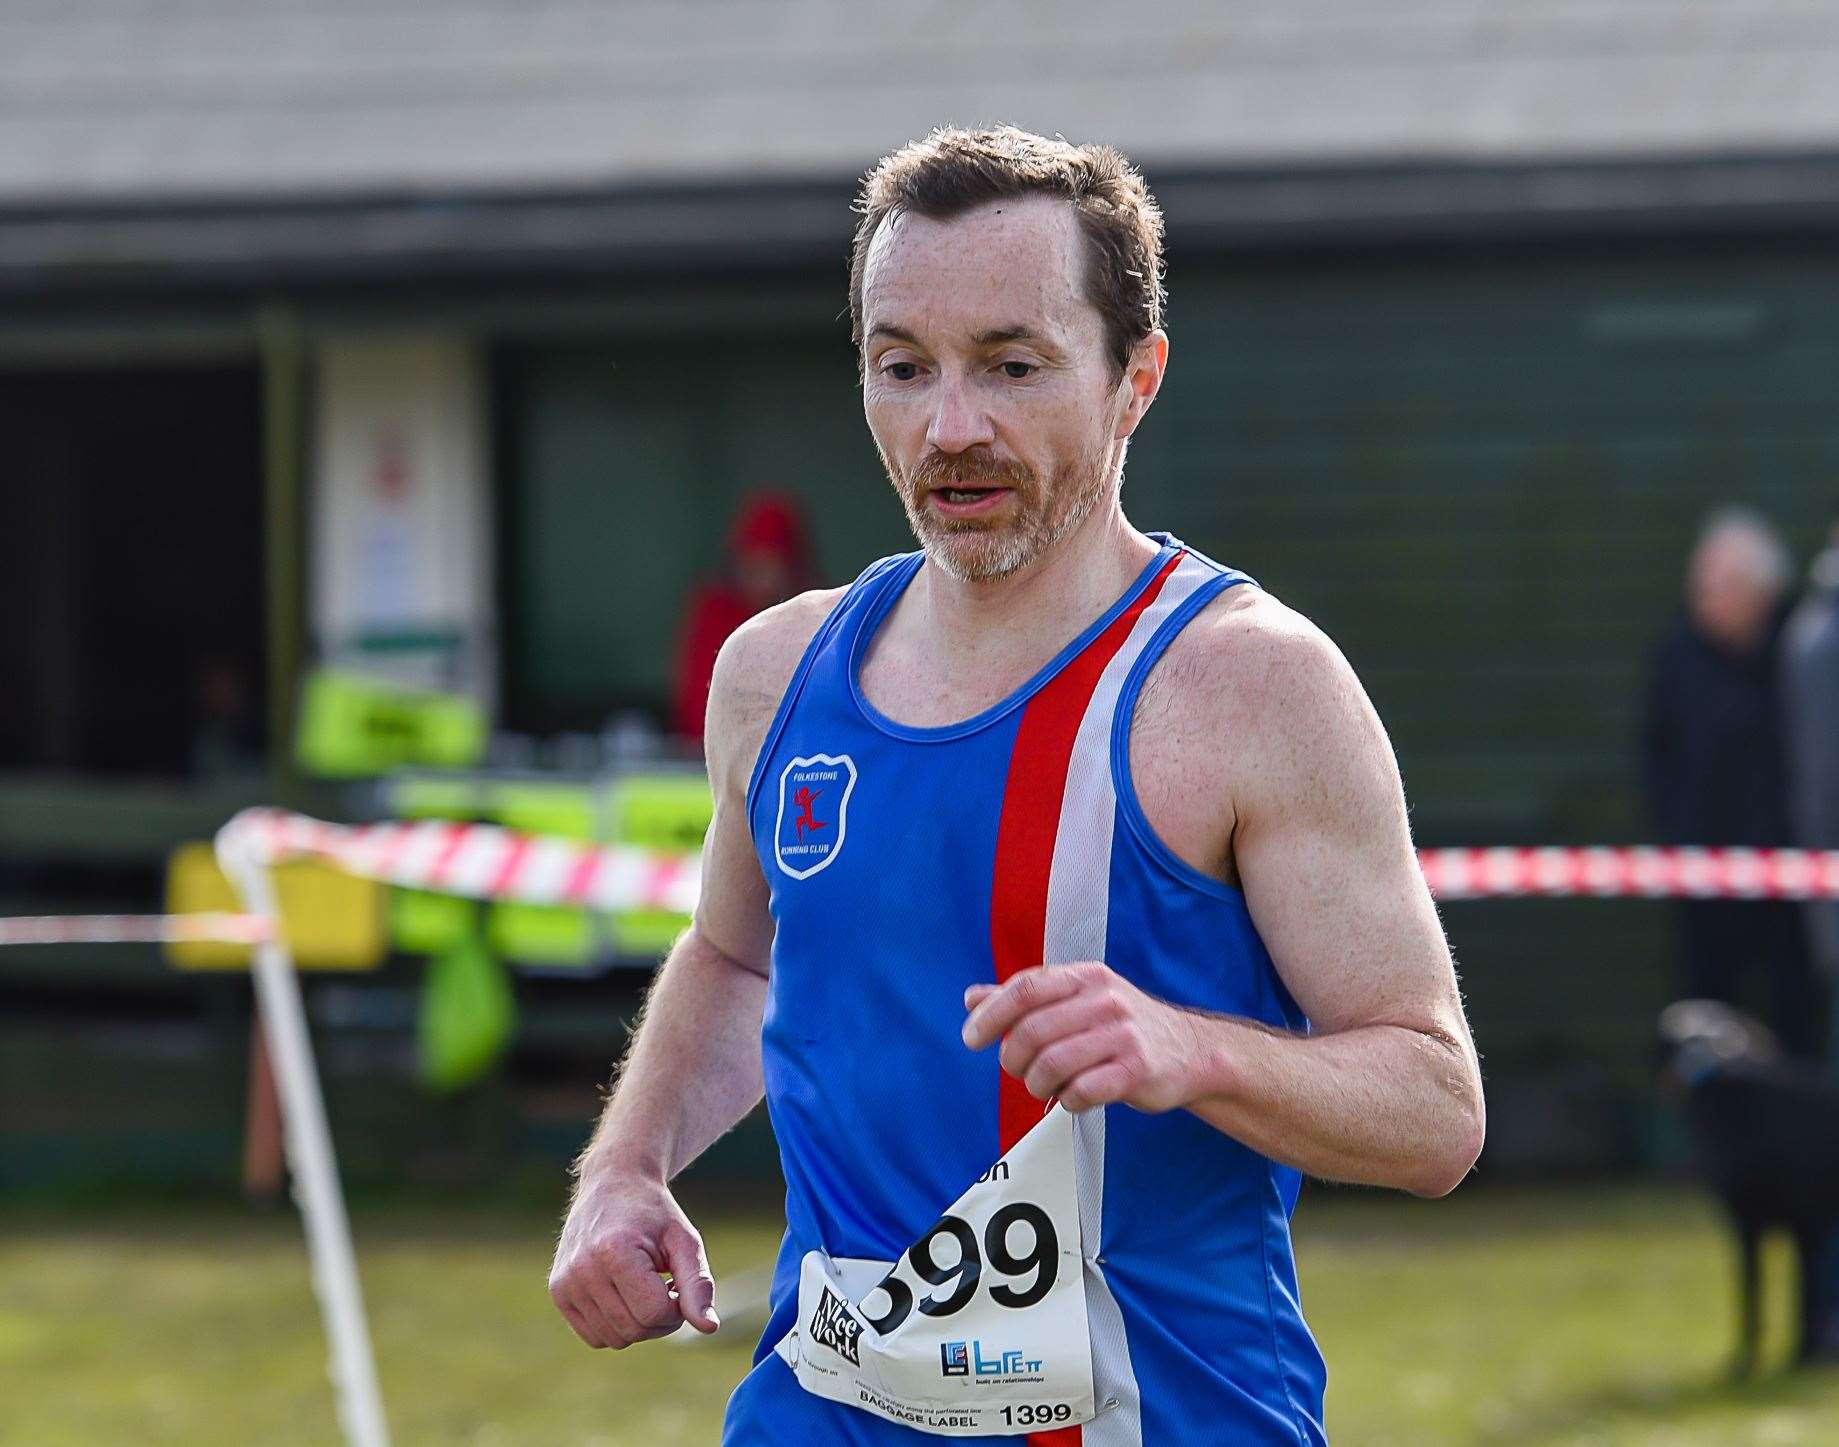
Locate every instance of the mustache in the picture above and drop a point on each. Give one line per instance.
(969, 469)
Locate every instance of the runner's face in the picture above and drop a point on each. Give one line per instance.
(986, 381)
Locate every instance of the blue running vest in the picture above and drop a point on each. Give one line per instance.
(906, 864)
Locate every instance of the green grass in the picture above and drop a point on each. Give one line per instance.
(1582, 1318)
(1557, 1317)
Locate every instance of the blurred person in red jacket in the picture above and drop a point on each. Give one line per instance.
(768, 561)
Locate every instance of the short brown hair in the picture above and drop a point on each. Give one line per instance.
(951, 171)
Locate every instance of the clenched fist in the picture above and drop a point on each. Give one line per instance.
(624, 1235)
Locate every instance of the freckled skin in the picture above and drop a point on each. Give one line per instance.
(940, 389)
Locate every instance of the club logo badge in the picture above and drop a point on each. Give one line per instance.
(813, 812)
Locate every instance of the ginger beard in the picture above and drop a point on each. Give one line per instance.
(1032, 521)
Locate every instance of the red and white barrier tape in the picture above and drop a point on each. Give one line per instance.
(481, 861)
(478, 861)
(126, 929)
(484, 862)
(1642, 871)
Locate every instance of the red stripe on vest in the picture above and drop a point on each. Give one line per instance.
(1030, 821)
(1025, 836)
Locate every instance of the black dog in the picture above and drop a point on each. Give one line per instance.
(1766, 1129)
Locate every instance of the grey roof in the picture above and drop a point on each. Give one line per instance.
(105, 100)
(236, 143)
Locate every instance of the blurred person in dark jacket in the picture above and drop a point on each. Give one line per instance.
(1717, 774)
(1810, 697)
(768, 560)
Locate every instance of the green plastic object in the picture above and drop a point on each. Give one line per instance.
(562, 810)
(669, 812)
(468, 1017)
(353, 727)
(548, 935)
(425, 923)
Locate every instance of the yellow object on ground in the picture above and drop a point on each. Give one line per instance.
(331, 920)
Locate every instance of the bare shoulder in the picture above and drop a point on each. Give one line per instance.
(752, 672)
(1253, 712)
(1260, 659)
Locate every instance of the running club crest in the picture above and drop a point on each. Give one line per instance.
(813, 811)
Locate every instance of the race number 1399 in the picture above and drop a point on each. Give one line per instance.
(1037, 1414)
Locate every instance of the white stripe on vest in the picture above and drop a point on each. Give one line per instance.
(1078, 910)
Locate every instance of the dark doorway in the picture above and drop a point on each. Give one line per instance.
(131, 627)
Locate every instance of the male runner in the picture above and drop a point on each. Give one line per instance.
(1054, 783)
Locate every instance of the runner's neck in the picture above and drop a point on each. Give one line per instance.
(1016, 617)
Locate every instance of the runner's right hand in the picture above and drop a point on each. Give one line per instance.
(623, 1235)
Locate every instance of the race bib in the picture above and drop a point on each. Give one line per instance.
(980, 1327)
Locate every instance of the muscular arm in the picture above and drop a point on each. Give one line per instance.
(693, 1069)
(1387, 1091)
(1387, 1088)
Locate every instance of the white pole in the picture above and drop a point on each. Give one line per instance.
(309, 1150)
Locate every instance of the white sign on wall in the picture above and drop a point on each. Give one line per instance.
(402, 582)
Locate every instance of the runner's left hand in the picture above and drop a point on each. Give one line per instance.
(1086, 1034)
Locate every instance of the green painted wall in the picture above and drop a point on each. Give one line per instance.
(626, 461)
(1482, 480)
(1480, 477)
